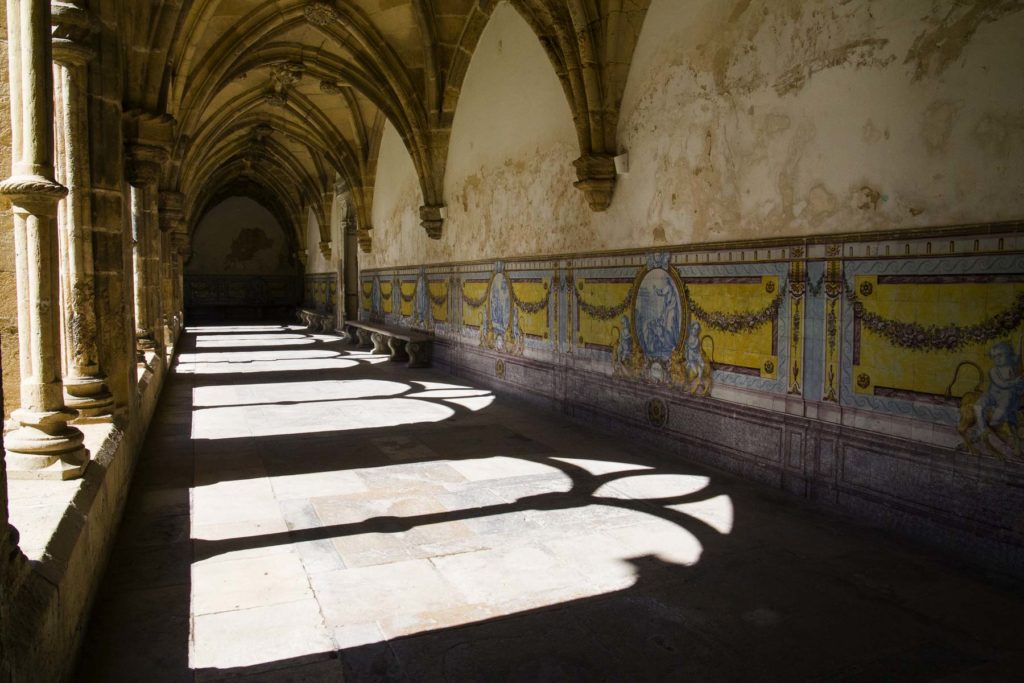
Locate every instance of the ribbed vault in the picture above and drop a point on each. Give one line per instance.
(284, 97)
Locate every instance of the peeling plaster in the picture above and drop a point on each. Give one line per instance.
(951, 26)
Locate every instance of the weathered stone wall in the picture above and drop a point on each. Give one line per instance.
(742, 120)
(8, 288)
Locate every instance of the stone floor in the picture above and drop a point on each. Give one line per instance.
(303, 511)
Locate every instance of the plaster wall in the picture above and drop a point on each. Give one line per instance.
(239, 237)
(508, 182)
(743, 120)
(397, 235)
(758, 118)
(315, 261)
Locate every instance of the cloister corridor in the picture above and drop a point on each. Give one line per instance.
(306, 511)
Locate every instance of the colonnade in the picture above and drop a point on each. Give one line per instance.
(99, 244)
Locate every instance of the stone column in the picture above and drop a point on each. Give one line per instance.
(143, 174)
(350, 270)
(172, 223)
(84, 383)
(181, 243)
(44, 445)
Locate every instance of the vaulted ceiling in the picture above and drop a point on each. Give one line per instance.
(278, 98)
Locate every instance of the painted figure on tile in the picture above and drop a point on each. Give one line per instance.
(623, 346)
(658, 315)
(691, 364)
(694, 356)
(500, 304)
(375, 299)
(995, 410)
(421, 307)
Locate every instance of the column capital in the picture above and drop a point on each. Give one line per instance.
(181, 241)
(432, 219)
(145, 163)
(172, 202)
(36, 193)
(172, 211)
(596, 174)
(325, 249)
(73, 27)
(365, 240)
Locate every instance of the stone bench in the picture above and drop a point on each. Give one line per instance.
(314, 321)
(400, 343)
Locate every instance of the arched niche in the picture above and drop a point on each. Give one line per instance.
(242, 266)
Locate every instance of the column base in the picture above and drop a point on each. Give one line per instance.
(90, 398)
(45, 447)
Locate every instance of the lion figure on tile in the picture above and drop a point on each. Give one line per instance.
(995, 410)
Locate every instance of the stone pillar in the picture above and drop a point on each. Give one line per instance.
(44, 445)
(181, 243)
(84, 383)
(144, 168)
(350, 269)
(172, 223)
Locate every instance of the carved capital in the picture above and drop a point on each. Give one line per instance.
(333, 87)
(596, 173)
(287, 74)
(365, 240)
(35, 194)
(432, 220)
(303, 256)
(149, 128)
(172, 203)
(321, 13)
(72, 53)
(145, 164)
(325, 249)
(275, 98)
(181, 242)
(71, 22)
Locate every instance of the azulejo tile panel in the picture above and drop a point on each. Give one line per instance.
(320, 292)
(882, 324)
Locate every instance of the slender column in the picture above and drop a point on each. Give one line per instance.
(350, 268)
(44, 445)
(181, 243)
(172, 211)
(143, 334)
(84, 384)
(143, 173)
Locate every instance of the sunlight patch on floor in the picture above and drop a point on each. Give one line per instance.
(209, 396)
(318, 523)
(357, 556)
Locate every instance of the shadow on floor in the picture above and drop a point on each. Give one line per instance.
(770, 591)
